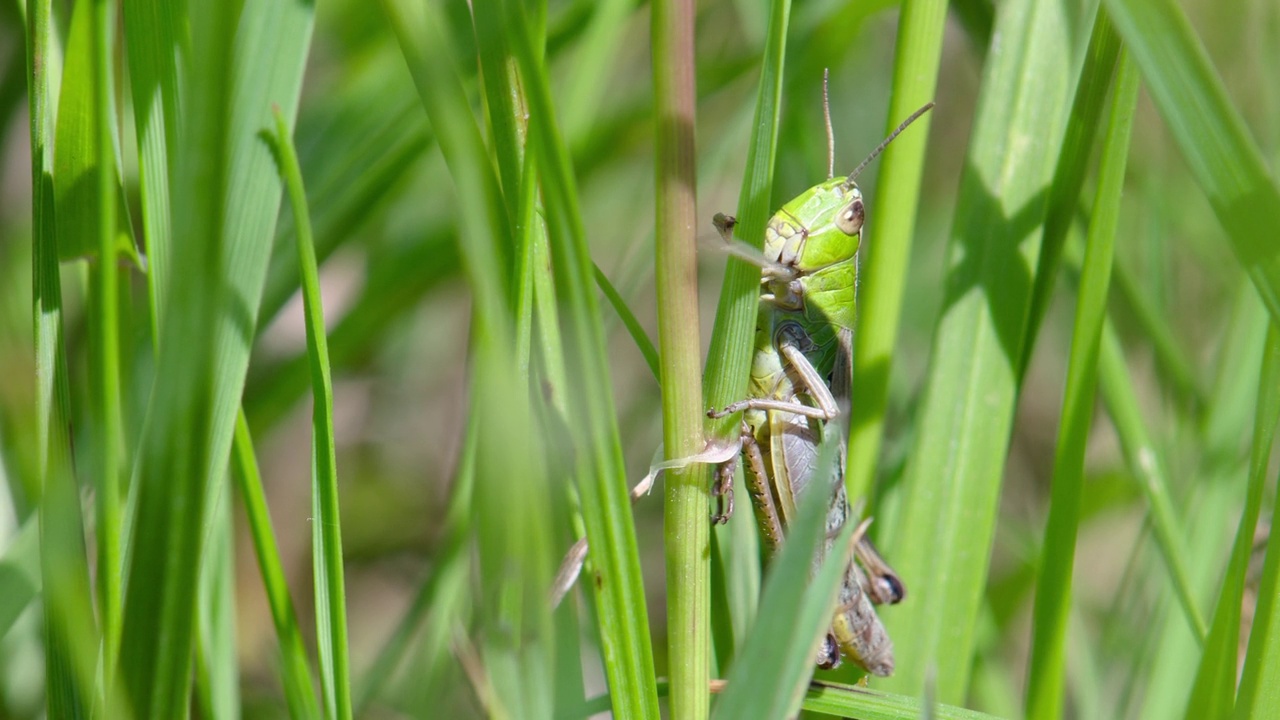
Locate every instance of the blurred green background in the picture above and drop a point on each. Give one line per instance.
(398, 302)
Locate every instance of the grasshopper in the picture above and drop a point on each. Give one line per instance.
(800, 378)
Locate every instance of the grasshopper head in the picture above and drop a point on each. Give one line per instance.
(819, 228)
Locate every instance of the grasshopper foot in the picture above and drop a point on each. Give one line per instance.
(722, 491)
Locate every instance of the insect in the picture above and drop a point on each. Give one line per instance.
(800, 378)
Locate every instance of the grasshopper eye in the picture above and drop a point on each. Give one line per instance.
(850, 218)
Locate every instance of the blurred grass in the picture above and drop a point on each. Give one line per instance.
(476, 374)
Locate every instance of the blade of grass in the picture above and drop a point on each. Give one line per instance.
(511, 508)
(685, 515)
(106, 332)
(1147, 466)
(624, 626)
(295, 669)
(1047, 677)
(217, 666)
(152, 37)
(867, 704)
(326, 538)
(634, 329)
(1163, 681)
(1213, 694)
(1073, 164)
(168, 528)
(228, 195)
(70, 634)
(888, 243)
(1215, 143)
(1259, 694)
(729, 355)
(942, 536)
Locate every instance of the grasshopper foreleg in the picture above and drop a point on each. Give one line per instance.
(791, 340)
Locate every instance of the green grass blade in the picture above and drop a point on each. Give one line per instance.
(1213, 694)
(171, 485)
(729, 356)
(296, 670)
(1221, 154)
(326, 538)
(87, 195)
(1053, 595)
(634, 329)
(244, 58)
(1259, 694)
(866, 704)
(1073, 164)
(685, 518)
(354, 162)
(152, 35)
(616, 579)
(512, 511)
(105, 329)
(892, 222)
(217, 665)
(70, 635)
(1147, 466)
(942, 536)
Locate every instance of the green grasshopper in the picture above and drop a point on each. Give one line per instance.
(800, 378)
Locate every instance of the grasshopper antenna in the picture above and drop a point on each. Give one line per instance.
(880, 148)
(831, 134)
